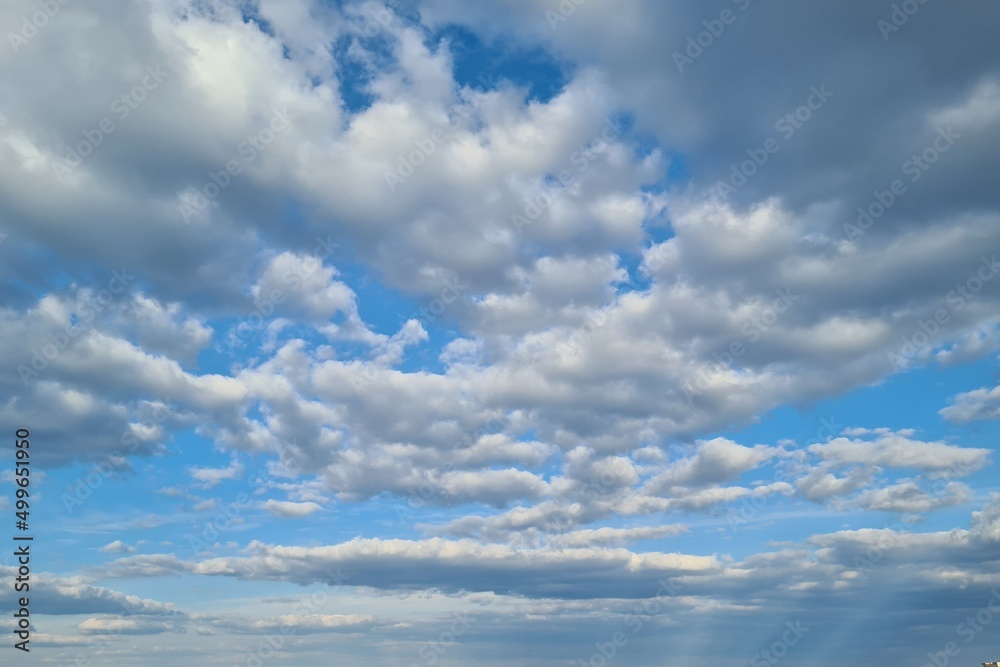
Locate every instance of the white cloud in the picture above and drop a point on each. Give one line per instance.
(900, 451)
(117, 547)
(290, 510)
(209, 477)
(981, 403)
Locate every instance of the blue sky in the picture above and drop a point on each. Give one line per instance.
(529, 334)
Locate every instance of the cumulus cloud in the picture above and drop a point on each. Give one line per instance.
(127, 626)
(538, 345)
(289, 510)
(117, 547)
(715, 461)
(315, 623)
(981, 403)
(209, 477)
(899, 451)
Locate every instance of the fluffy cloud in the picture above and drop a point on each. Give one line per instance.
(900, 451)
(117, 547)
(516, 310)
(977, 404)
(289, 510)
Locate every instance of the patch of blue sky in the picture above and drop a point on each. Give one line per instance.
(250, 15)
(355, 73)
(477, 64)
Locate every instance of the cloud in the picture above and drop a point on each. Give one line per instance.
(126, 626)
(981, 403)
(206, 505)
(315, 623)
(907, 497)
(290, 510)
(820, 485)
(209, 477)
(68, 596)
(515, 316)
(614, 536)
(304, 286)
(472, 566)
(145, 565)
(899, 451)
(715, 461)
(117, 547)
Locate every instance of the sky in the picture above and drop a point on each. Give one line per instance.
(522, 333)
